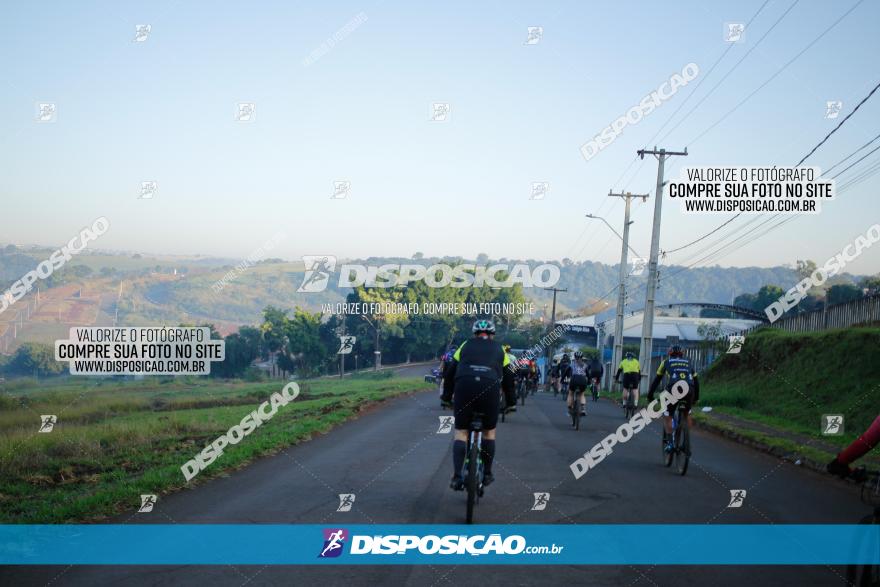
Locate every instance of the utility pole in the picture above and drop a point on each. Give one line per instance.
(617, 353)
(377, 353)
(552, 319)
(651, 289)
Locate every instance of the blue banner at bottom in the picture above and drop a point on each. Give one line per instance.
(308, 544)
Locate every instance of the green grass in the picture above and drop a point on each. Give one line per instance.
(788, 380)
(118, 439)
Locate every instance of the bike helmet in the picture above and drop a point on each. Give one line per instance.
(629, 355)
(555, 361)
(578, 355)
(565, 357)
(506, 348)
(675, 351)
(483, 326)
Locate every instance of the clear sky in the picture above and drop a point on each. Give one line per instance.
(164, 110)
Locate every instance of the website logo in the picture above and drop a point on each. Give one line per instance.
(334, 542)
(318, 270)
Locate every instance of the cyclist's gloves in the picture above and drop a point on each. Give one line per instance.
(835, 467)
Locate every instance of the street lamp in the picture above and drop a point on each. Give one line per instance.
(614, 231)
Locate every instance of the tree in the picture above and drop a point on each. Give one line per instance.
(841, 293)
(32, 359)
(870, 285)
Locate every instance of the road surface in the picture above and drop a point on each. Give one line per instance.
(398, 467)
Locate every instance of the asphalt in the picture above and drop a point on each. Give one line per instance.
(398, 467)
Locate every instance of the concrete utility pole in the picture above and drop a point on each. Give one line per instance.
(651, 289)
(617, 353)
(552, 319)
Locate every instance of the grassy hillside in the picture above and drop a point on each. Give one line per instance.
(116, 440)
(788, 380)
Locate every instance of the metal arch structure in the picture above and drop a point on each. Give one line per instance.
(712, 306)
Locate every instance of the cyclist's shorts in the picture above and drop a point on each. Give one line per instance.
(578, 383)
(472, 396)
(631, 380)
(687, 401)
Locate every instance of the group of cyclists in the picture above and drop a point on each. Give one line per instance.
(481, 370)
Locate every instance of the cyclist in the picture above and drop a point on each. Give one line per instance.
(631, 371)
(477, 371)
(860, 446)
(533, 376)
(446, 359)
(564, 362)
(576, 371)
(554, 375)
(675, 368)
(595, 371)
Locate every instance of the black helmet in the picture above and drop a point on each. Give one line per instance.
(485, 326)
(630, 355)
(675, 351)
(578, 355)
(565, 357)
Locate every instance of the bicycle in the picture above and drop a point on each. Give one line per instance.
(594, 387)
(681, 441)
(564, 391)
(629, 408)
(502, 407)
(472, 471)
(866, 575)
(575, 410)
(521, 391)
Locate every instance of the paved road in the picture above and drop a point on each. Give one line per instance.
(398, 467)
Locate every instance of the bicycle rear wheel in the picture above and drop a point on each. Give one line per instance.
(682, 447)
(472, 481)
(667, 456)
(576, 414)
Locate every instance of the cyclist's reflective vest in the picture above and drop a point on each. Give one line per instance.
(676, 369)
(630, 365)
(480, 358)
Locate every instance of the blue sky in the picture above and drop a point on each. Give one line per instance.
(164, 110)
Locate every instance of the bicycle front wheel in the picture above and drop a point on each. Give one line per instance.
(682, 447)
(472, 481)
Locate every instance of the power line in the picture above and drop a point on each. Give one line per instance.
(834, 130)
(851, 154)
(704, 236)
(780, 70)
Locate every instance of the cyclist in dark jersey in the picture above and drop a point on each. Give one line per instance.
(576, 371)
(675, 368)
(473, 379)
(860, 446)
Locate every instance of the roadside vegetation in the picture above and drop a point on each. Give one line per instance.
(117, 439)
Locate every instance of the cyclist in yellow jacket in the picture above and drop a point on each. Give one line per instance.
(631, 371)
